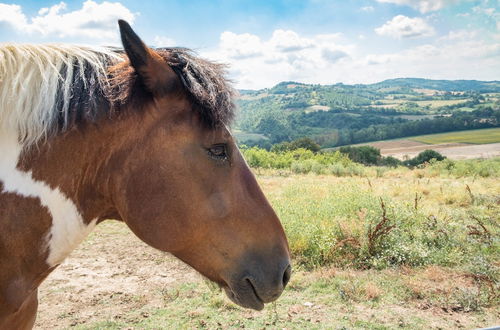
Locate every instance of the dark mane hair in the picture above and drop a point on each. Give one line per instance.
(205, 82)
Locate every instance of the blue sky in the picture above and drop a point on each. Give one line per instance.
(265, 42)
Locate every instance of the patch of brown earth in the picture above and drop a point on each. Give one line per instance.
(451, 150)
(111, 272)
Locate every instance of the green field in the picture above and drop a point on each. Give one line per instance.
(477, 136)
(440, 103)
(411, 249)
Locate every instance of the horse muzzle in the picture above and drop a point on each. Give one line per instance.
(259, 285)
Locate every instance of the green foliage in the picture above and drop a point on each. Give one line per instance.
(347, 225)
(390, 161)
(301, 161)
(424, 157)
(336, 115)
(304, 143)
(463, 168)
(366, 155)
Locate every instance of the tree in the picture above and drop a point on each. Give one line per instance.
(424, 157)
(306, 143)
(366, 155)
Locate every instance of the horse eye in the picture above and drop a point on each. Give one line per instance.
(218, 152)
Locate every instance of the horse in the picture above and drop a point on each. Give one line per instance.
(140, 135)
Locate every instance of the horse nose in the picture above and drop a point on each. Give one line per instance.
(286, 275)
(280, 282)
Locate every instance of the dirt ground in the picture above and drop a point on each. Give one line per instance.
(407, 148)
(99, 269)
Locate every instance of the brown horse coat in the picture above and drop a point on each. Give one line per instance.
(89, 134)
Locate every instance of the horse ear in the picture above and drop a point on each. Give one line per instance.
(157, 75)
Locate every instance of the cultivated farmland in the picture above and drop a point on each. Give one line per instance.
(480, 143)
(477, 136)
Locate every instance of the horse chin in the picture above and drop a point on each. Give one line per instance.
(244, 296)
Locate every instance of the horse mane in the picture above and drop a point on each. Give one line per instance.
(48, 89)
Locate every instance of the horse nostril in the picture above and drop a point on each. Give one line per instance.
(286, 275)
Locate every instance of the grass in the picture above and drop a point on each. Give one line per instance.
(329, 298)
(326, 299)
(477, 136)
(415, 249)
(340, 220)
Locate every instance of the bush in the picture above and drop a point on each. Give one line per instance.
(298, 160)
(366, 155)
(471, 167)
(390, 162)
(424, 157)
(302, 143)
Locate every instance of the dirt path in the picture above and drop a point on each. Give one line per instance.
(114, 266)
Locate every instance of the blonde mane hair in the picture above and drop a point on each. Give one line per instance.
(37, 84)
(47, 89)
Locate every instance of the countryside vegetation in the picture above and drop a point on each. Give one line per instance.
(380, 248)
(336, 115)
(377, 242)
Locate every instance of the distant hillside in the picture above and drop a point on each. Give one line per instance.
(442, 85)
(340, 114)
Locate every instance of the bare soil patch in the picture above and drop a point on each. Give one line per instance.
(451, 150)
(396, 144)
(402, 149)
(110, 273)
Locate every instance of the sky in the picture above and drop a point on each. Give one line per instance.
(265, 42)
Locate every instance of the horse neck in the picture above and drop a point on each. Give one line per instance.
(73, 163)
(65, 174)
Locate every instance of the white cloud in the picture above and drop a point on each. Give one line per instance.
(93, 20)
(327, 59)
(405, 27)
(485, 11)
(424, 6)
(162, 41)
(239, 46)
(453, 60)
(284, 56)
(12, 15)
(460, 35)
(333, 56)
(367, 8)
(289, 41)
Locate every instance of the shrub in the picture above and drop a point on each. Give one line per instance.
(425, 157)
(298, 160)
(390, 162)
(302, 143)
(471, 167)
(367, 155)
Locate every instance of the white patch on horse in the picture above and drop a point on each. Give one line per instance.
(68, 228)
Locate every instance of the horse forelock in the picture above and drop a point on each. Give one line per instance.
(47, 89)
(206, 82)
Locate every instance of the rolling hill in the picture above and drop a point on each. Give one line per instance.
(340, 114)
